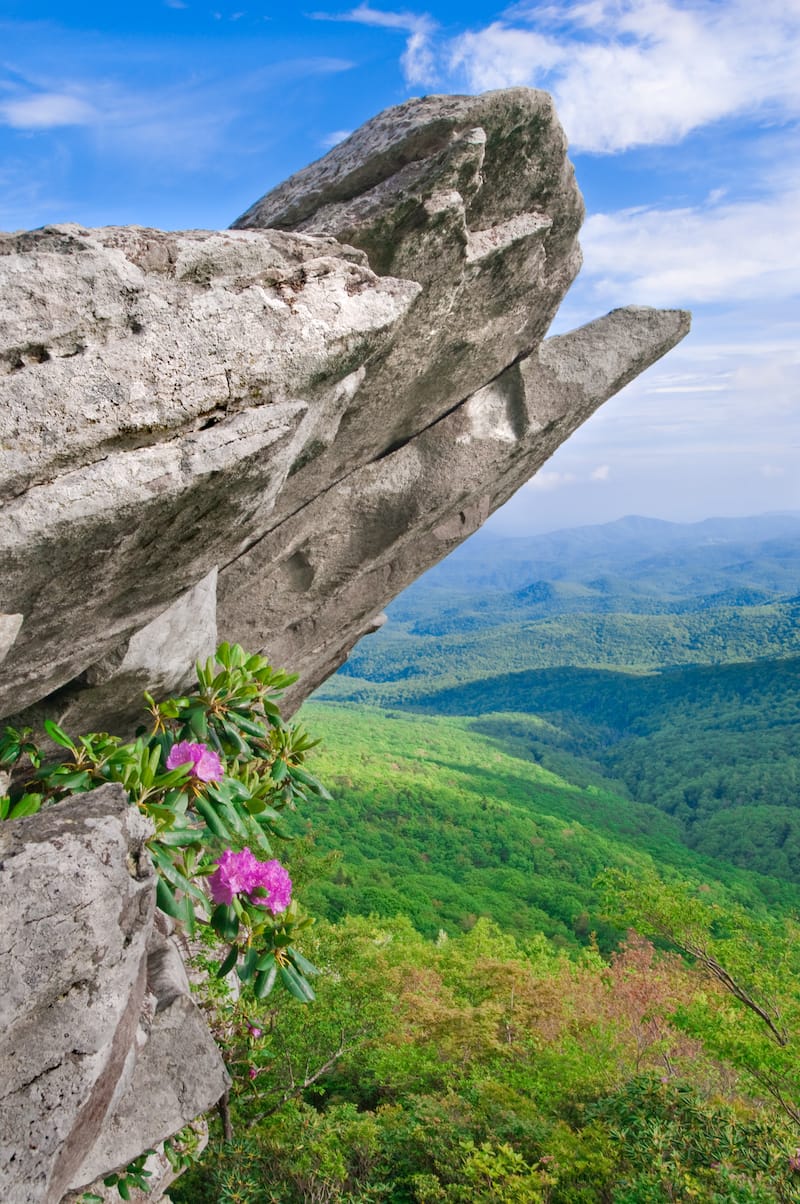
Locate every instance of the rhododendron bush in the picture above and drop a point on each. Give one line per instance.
(213, 770)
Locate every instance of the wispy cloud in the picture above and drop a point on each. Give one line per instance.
(334, 138)
(419, 58)
(709, 252)
(547, 480)
(624, 73)
(45, 110)
(185, 119)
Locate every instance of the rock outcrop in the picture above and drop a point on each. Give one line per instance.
(262, 434)
(268, 432)
(103, 1054)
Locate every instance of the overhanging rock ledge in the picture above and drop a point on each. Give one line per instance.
(272, 430)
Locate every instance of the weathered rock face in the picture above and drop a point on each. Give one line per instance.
(274, 429)
(102, 1052)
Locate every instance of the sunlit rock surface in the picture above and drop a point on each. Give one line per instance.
(279, 426)
(103, 1054)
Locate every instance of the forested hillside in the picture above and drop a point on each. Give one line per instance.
(448, 820)
(557, 879)
(651, 680)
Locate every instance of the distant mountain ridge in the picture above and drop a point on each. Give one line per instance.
(762, 551)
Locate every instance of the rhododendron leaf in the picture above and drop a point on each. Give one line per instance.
(174, 777)
(279, 771)
(163, 814)
(257, 836)
(232, 734)
(225, 922)
(229, 962)
(9, 753)
(296, 984)
(197, 719)
(75, 781)
(29, 804)
(178, 800)
(180, 837)
(248, 967)
(265, 980)
(166, 900)
(248, 725)
(174, 875)
(309, 780)
(302, 963)
(58, 735)
(214, 821)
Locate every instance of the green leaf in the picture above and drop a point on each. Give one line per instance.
(296, 985)
(175, 777)
(179, 838)
(123, 1189)
(309, 780)
(248, 725)
(171, 872)
(248, 967)
(229, 962)
(29, 804)
(214, 821)
(279, 770)
(163, 814)
(233, 735)
(197, 719)
(225, 922)
(9, 753)
(264, 980)
(302, 963)
(58, 736)
(76, 781)
(166, 900)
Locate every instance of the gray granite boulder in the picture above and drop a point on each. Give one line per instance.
(267, 433)
(102, 1052)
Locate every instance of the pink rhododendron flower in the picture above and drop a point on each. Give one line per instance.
(254, 1031)
(252, 1073)
(206, 765)
(234, 876)
(275, 880)
(243, 874)
(794, 1161)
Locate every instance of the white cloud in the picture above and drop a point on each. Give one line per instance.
(696, 254)
(771, 471)
(601, 473)
(419, 57)
(546, 482)
(636, 72)
(334, 138)
(44, 110)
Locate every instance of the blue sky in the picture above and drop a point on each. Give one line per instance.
(682, 117)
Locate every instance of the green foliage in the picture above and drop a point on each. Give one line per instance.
(469, 1069)
(752, 1017)
(254, 772)
(658, 660)
(436, 820)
